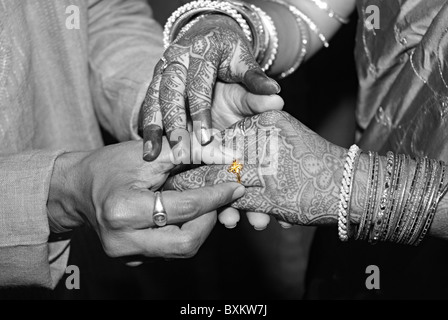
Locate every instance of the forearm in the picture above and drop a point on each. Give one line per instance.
(361, 195)
(289, 33)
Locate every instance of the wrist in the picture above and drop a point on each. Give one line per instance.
(65, 194)
(287, 29)
(216, 20)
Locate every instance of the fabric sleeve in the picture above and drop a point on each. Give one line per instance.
(26, 256)
(125, 43)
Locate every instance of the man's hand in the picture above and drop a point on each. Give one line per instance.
(214, 48)
(112, 189)
(232, 102)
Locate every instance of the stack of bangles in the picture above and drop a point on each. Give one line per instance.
(258, 27)
(401, 199)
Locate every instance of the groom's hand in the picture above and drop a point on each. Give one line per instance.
(112, 190)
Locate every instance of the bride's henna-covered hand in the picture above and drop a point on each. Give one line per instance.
(214, 48)
(292, 173)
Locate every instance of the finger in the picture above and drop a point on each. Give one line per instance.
(284, 225)
(212, 175)
(134, 264)
(201, 81)
(152, 118)
(136, 210)
(247, 71)
(258, 220)
(257, 82)
(172, 101)
(190, 204)
(229, 217)
(196, 178)
(245, 102)
(254, 104)
(173, 242)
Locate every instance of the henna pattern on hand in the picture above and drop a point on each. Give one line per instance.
(304, 189)
(214, 48)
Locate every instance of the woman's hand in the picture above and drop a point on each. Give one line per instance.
(214, 48)
(290, 172)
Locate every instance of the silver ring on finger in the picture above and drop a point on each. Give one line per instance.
(164, 65)
(159, 215)
(171, 63)
(242, 127)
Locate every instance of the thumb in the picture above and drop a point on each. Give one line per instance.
(256, 81)
(251, 104)
(244, 69)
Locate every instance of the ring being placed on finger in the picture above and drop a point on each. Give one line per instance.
(242, 127)
(159, 215)
(166, 64)
(236, 169)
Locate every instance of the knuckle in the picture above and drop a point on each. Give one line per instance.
(189, 207)
(115, 211)
(111, 249)
(188, 246)
(221, 198)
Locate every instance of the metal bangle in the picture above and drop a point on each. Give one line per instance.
(371, 210)
(255, 24)
(402, 216)
(393, 197)
(303, 50)
(368, 197)
(401, 192)
(419, 214)
(430, 195)
(433, 210)
(186, 12)
(380, 217)
(410, 215)
(272, 40)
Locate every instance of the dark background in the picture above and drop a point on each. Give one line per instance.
(240, 263)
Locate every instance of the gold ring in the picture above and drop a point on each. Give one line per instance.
(236, 169)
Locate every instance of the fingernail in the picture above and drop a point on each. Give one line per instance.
(279, 89)
(285, 225)
(205, 137)
(147, 149)
(238, 193)
(152, 135)
(260, 228)
(230, 226)
(254, 82)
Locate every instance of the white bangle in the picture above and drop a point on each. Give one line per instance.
(345, 192)
(191, 9)
(272, 38)
(187, 27)
(311, 24)
(304, 39)
(299, 14)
